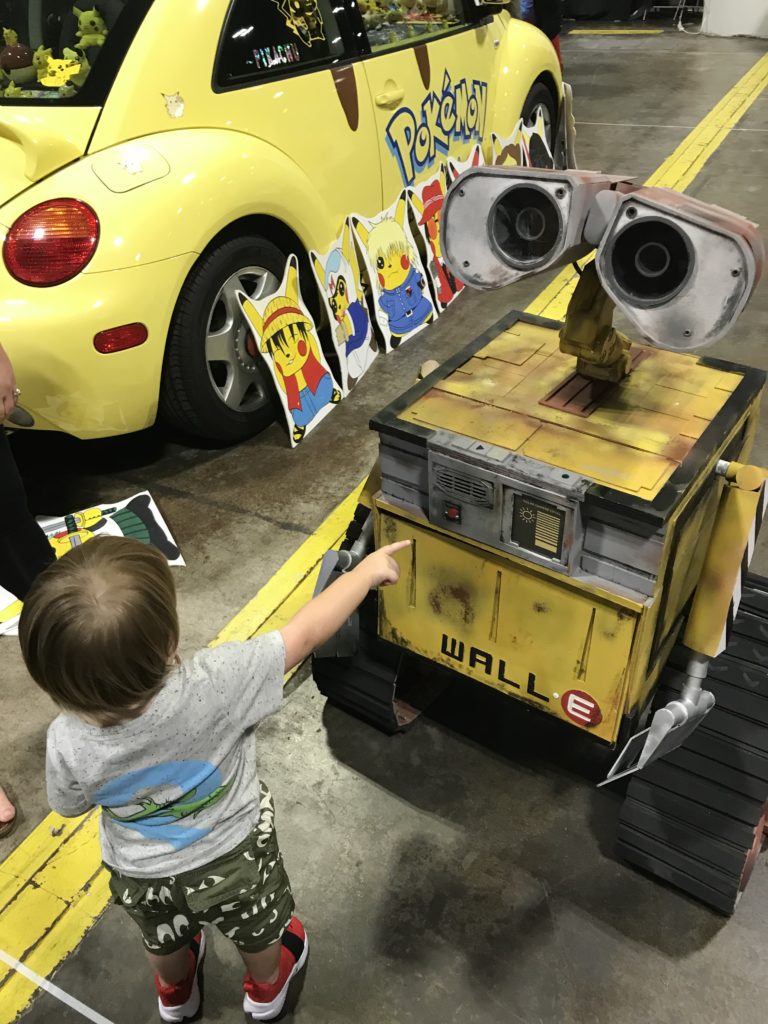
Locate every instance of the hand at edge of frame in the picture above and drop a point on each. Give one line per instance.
(7, 386)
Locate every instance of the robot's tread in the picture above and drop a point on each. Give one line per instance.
(721, 752)
(655, 863)
(738, 721)
(365, 684)
(712, 862)
(681, 805)
(692, 817)
(739, 779)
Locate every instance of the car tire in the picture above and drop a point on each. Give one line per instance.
(215, 384)
(540, 98)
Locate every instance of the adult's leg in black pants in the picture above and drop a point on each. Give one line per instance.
(24, 548)
(24, 553)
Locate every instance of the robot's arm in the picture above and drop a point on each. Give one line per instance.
(730, 549)
(714, 607)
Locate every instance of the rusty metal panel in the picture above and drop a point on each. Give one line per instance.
(603, 461)
(493, 620)
(439, 409)
(517, 390)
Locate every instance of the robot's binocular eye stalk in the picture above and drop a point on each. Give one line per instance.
(681, 270)
(533, 220)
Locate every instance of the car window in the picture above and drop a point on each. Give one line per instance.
(265, 38)
(52, 52)
(392, 24)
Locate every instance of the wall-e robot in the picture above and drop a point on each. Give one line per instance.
(582, 513)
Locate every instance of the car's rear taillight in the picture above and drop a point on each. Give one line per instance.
(52, 242)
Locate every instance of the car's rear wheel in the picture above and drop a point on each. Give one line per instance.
(215, 384)
(539, 101)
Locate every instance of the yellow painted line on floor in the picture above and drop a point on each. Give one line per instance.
(52, 888)
(678, 170)
(616, 32)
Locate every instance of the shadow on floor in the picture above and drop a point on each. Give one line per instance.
(474, 757)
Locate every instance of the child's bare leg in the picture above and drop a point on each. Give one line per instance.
(173, 968)
(264, 966)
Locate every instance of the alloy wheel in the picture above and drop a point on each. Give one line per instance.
(234, 365)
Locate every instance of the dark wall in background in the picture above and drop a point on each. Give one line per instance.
(614, 10)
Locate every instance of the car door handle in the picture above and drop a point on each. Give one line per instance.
(389, 98)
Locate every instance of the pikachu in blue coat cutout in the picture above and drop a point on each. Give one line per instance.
(397, 275)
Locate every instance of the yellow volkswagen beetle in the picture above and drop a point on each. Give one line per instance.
(155, 157)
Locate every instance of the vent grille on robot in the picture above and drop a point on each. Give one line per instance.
(467, 488)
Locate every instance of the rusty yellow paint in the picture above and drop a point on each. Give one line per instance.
(643, 429)
(521, 341)
(493, 620)
(683, 559)
(623, 600)
(470, 417)
(486, 380)
(604, 462)
(491, 615)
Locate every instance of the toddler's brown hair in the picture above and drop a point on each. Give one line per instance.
(99, 628)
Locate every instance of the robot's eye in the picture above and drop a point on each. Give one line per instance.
(380, 262)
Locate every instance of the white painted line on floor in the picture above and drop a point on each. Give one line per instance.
(53, 990)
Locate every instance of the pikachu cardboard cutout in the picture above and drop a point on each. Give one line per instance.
(527, 146)
(398, 281)
(340, 283)
(288, 342)
(457, 167)
(427, 203)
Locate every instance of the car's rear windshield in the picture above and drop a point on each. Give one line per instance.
(54, 52)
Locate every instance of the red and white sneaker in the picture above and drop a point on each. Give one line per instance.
(181, 1002)
(266, 1002)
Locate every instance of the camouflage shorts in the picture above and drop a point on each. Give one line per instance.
(245, 893)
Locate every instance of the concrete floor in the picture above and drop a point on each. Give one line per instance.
(463, 871)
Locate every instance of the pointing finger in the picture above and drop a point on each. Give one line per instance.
(391, 549)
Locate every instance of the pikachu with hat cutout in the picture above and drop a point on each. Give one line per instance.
(288, 342)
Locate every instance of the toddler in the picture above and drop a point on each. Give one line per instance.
(166, 748)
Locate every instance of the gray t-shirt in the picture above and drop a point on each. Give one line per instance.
(178, 785)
